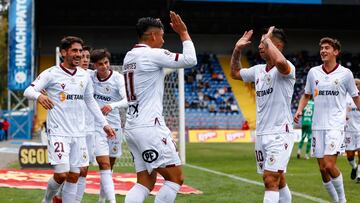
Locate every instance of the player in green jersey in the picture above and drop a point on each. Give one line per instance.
(306, 124)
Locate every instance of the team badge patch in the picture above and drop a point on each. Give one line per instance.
(84, 156)
(114, 149)
(271, 160)
(150, 155)
(332, 146)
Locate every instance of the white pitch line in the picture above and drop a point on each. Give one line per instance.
(305, 196)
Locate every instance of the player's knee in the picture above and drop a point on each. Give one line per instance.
(83, 171)
(104, 166)
(271, 182)
(60, 177)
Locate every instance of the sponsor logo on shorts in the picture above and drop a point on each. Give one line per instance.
(59, 155)
(150, 155)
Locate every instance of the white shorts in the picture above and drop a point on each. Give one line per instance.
(90, 143)
(108, 147)
(68, 150)
(352, 141)
(152, 147)
(272, 152)
(327, 142)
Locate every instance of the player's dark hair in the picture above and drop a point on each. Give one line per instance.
(87, 48)
(98, 54)
(144, 24)
(278, 34)
(333, 42)
(66, 42)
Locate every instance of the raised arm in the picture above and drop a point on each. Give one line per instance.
(235, 57)
(276, 57)
(302, 103)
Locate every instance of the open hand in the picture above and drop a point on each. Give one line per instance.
(45, 101)
(297, 116)
(244, 40)
(110, 132)
(106, 109)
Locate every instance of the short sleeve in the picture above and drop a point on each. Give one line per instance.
(350, 85)
(42, 81)
(248, 74)
(308, 89)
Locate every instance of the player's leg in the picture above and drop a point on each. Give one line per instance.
(78, 158)
(358, 167)
(107, 190)
(328, 184)
(81, 184)
(350, 144)
(271, 181)
(301, 143)
(334, 140)
(308, 144)
(58, 153)
(173, 180)
(284, 191)
(145, 181)
(144, 184)
(115, 147)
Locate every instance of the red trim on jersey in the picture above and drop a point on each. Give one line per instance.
(105, 79)
(177, 57)
(268, 67)
(323, 67)
(138, 46)
(66, 70)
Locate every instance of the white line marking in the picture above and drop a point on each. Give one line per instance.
(305, 196)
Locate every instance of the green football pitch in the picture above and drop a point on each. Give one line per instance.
(227, 173)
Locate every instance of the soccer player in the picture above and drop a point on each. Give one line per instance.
(274, 84)
(306, 124)
(90, 139)
(352, 135)
(147, 135)
(328, 84)
(109, 92)
(69, 94)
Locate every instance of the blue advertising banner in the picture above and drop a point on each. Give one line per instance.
(20, 44)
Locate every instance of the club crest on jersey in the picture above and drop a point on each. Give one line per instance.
(59, 155)
(107, 89)
(166, 52)
(81, 84)
(257, 81)
(337, 83)
(62, 85)
(316, 82)
(267, 79)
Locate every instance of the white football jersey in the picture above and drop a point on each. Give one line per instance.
(109, 91)
(144, 80)
(273, 98)
(353, 116)
(329, 91)
(67, 91)
(89, 118)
